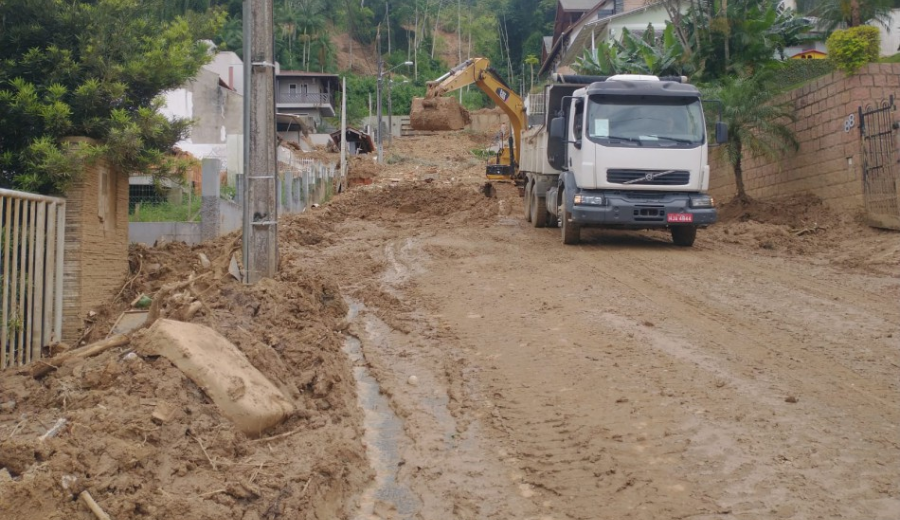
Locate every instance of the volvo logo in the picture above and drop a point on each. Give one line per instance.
(649, 177)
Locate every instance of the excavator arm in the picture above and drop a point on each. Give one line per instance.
(477, 71)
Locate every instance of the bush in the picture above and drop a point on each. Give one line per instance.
(791, 74)
(852, 48)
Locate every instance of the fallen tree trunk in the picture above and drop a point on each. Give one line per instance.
(45, 366)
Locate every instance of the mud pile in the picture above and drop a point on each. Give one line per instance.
(361, 169)
(804, 225)
(190, 462)
(443, 113)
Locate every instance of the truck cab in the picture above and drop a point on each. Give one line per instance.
(632, 152)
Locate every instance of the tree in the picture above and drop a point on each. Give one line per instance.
(852, 13)
(531, 60)
(757, 122)
(735, 36)
(94, 69)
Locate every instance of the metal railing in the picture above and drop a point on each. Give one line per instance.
(304, 182)
(316, 99)
(32, 239)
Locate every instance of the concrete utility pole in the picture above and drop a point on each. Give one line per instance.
(260, 237)
(378, 108)
(344, 165)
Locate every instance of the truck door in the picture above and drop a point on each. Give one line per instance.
(577, 132)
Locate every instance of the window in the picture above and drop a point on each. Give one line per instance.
(661, 122)
(578, 120)
(292, 88)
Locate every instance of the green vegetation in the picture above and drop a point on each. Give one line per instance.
(852, 48)
(93, 69)
(633, 54)
(187, 211)
(757, 123)
(791, 74)
(849, 13)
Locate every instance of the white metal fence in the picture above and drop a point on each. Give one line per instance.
(305, 182)
(31, 274)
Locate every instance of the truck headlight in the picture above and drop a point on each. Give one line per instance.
(589, 200)
(702, 201)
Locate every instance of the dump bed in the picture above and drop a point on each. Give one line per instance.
(534, 158)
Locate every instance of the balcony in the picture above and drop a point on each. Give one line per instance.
(287, 100)
(309, 100)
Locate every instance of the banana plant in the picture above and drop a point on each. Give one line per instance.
(647, 53)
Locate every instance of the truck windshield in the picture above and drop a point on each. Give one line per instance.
(658, 122)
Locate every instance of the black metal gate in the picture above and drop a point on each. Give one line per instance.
(881, 173)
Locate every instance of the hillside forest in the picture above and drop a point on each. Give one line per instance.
(345, 36)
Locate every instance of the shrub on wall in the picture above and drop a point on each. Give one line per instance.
(794, 73)
(852, 48)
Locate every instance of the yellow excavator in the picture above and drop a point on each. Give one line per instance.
(437, 113)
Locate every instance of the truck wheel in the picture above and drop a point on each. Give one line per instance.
(527, 201)
(571, 232)
(538, 212)
(684, 235)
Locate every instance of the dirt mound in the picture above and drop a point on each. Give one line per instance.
(421, 201)
(362, 168)
(804, 225)
(193, 463)
(438, 114)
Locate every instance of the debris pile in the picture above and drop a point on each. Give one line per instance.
(148, 424)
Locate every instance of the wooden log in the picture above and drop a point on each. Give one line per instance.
(44, 366)
(95, 508)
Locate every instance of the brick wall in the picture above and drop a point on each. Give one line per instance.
(96, 250)
(829, 162)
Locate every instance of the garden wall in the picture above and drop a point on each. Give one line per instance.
(96, 244)
(829, 161)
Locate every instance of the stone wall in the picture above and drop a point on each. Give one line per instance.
(829, 161)
(96, 246)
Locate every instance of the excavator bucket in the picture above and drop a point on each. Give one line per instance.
(438, 113)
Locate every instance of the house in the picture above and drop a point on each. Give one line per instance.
(810, 54)
(308, 95)
(358, 142)
(572, 38)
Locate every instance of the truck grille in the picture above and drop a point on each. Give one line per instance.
(638, 177)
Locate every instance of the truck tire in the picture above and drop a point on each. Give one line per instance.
(538, 212)
(527, 202)
(571, 232)
(684, 236)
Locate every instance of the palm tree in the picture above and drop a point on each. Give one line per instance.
(852, 13)
(757, 123)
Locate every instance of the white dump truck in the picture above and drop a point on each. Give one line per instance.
(625, 151)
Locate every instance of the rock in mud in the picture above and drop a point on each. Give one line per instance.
(240, 391)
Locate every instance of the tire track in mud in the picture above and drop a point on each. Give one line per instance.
(446, 463)
(752, 456)
(759, 345)
(631, 271)
(700, 312)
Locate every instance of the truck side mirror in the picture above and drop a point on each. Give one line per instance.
(721, 132)
(558, 128)
(556, 144)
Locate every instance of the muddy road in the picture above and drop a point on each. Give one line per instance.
(752, 376)
(448, 361)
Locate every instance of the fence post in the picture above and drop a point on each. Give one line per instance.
(306, 172)
(289, 190)
(239, 187)
(209, 209)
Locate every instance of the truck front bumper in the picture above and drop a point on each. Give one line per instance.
(640, 210)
